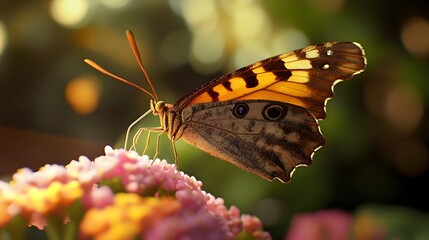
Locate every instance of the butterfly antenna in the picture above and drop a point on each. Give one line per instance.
(99, 68)
(136, 52)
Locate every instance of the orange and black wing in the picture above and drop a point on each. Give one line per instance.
(303, 77)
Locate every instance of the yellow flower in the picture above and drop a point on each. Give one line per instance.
(129, 215)
(52, 198)
(5, 216)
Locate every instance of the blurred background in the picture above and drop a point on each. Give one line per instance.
(54, 107)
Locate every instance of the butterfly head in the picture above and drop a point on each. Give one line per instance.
(157, 107)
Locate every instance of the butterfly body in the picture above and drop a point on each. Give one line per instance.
(264, 117)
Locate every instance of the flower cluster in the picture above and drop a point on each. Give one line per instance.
(118, 196)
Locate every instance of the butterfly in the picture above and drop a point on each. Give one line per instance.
(263, 117)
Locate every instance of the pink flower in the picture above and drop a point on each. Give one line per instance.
(121, 195)
(190, 225)
(99, 198)
(328, 224)
(253, 225)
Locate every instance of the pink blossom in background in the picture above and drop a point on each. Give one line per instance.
(327, 224)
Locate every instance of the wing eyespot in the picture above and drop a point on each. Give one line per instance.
(273, 112)
(240, 110)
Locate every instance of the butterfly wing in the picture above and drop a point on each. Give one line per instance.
(304, 78)
(267, 138)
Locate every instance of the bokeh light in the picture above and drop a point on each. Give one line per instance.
(288, 39)
(115, 3)
(83, 94)
(247, 53)
(404, 109)
(415, 36)
(3, 38)
(248, 38)
(250, 22)
(207, 49)
(199, 13)
(69, 13)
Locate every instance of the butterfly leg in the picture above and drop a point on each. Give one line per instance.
(147, 142)
(176, 156)
(136, 138)
(149, 131)
(159, 130)
(158, 138)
